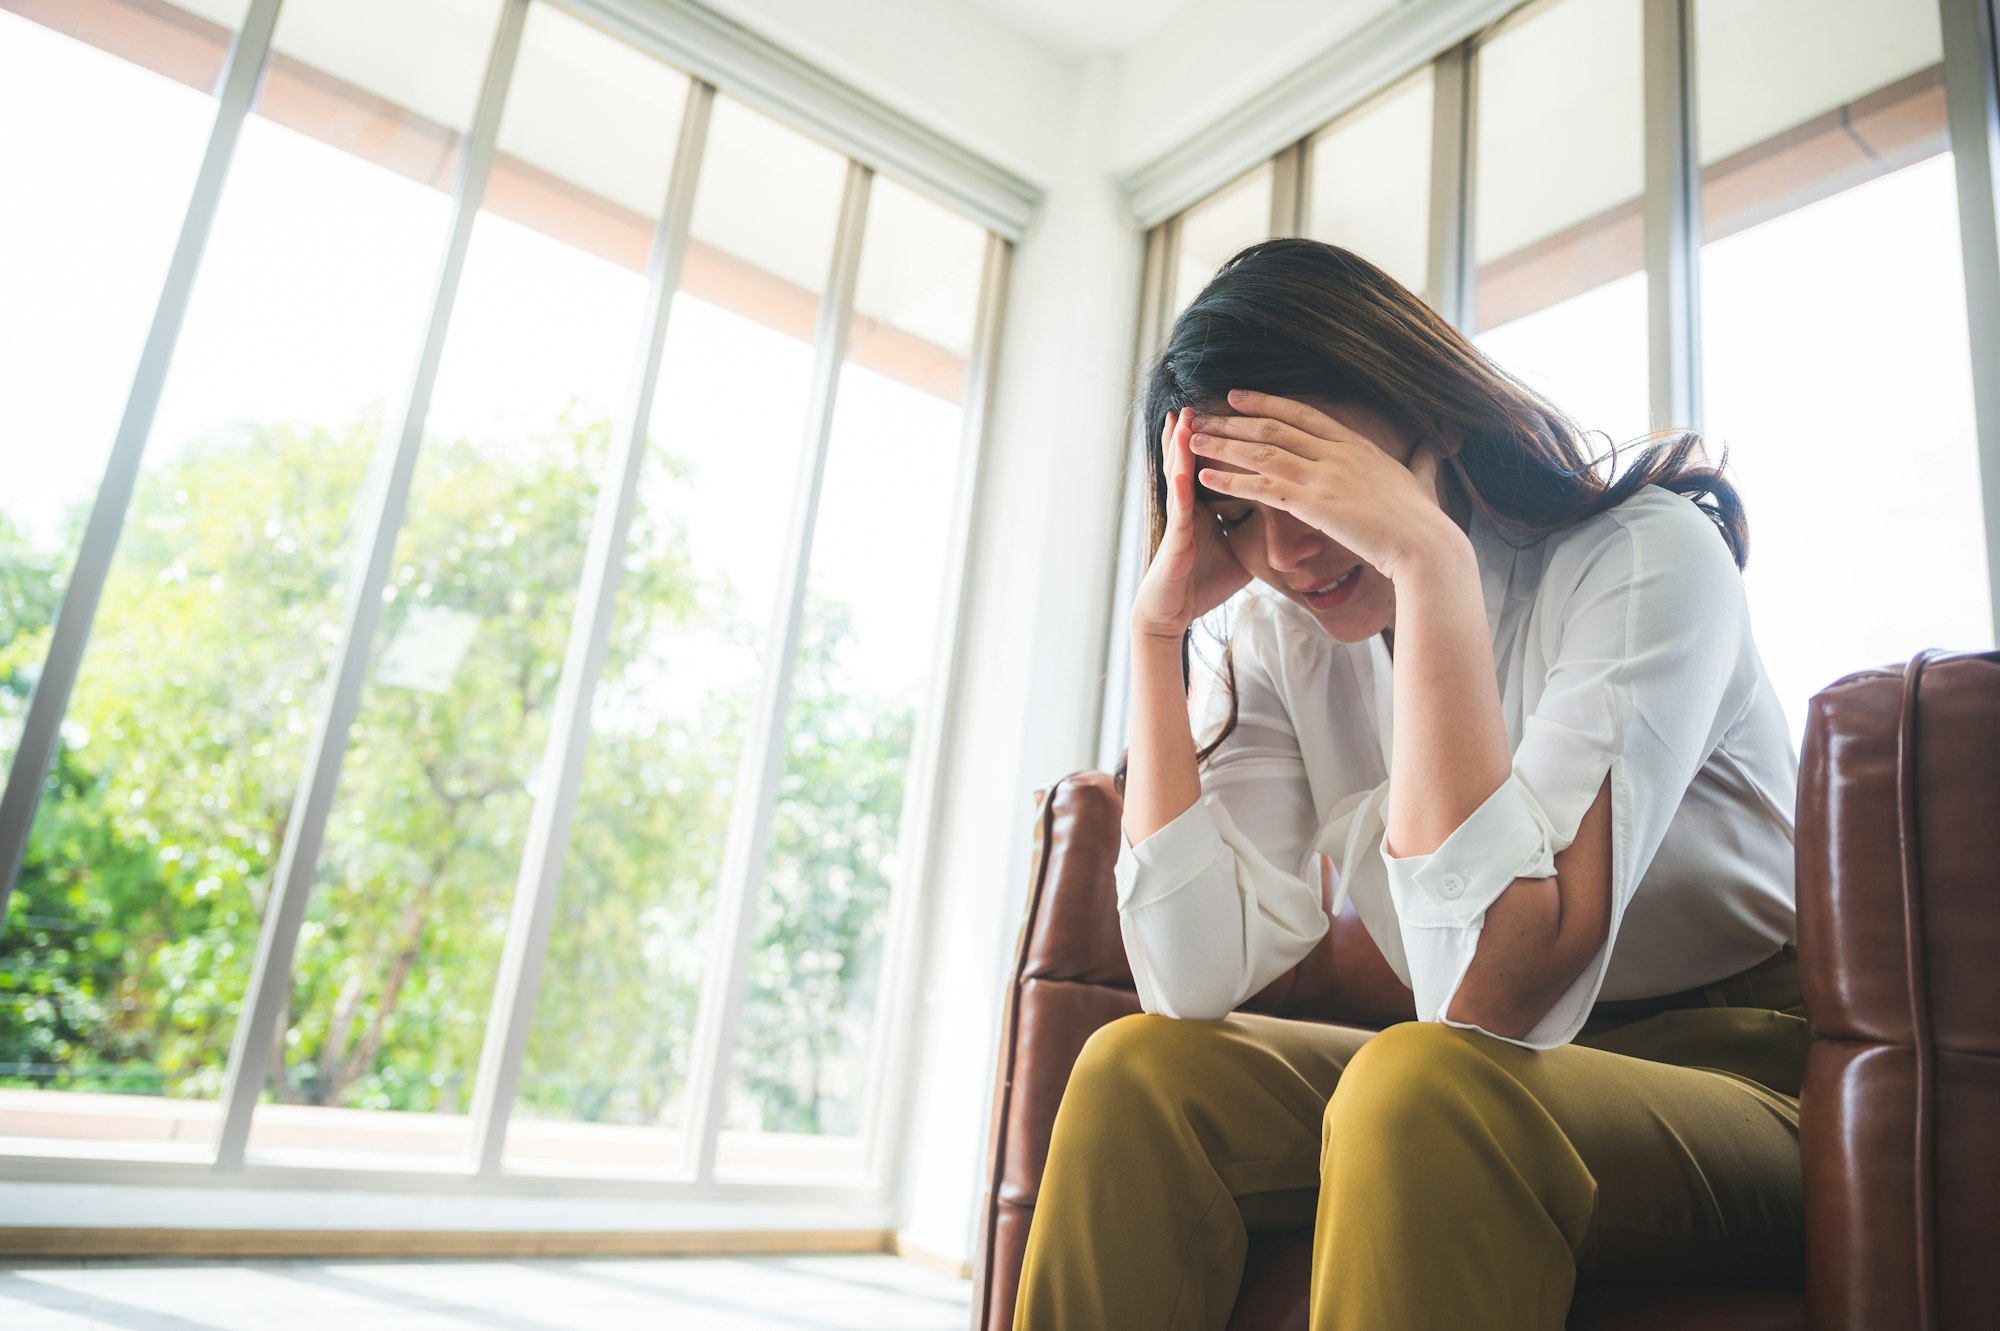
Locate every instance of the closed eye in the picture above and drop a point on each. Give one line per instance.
(1230, 522)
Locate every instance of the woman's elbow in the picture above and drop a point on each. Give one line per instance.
(1515, 1008)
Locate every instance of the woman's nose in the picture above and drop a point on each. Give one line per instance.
(1289, 541)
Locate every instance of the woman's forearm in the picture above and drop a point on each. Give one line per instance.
(1450, 755)
(1161, 780)
(1451, 748)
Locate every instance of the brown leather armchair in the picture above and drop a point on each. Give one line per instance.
(1899, 944)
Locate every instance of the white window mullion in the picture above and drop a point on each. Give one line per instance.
(519, 978)
(1288, 190)
(1971, 30)
(291, 883)
(1673, 218)
(1451, 277)
(897, 1002)
(725, 985)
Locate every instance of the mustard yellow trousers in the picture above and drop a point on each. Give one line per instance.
(1453, 1181)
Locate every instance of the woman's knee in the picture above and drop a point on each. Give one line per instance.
(1431, 1123)
(1142, 1059)
(1414, 1068)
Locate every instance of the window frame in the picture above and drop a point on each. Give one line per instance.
(715, 57)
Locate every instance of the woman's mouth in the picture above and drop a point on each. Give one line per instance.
(1328, 595)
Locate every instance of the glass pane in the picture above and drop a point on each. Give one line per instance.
(769, 200)
(102, 125)
(1836, 362)
(395, 963)
(151, 855)
(859, 682)
(1223, 223)
(604, 1082)
(1559, 227)
(1371, 181)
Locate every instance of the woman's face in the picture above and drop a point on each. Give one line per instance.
(1296, 558)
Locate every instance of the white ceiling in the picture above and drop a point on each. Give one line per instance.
(1073, 28)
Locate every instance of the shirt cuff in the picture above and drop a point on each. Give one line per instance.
(1167, 860)
(1506, 837)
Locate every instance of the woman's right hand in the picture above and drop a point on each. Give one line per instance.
(1194, 569)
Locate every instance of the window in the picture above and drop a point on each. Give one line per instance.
(70, 329)
(610, 1053)
(1837, 366)
(1234, 216)
(1371, 181)
(813, 1015)
(72, 323)
(183, 743)
(186, 749)
(393, 973)
(1558, 232)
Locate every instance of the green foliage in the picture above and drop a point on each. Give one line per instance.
(131, 931)
(817, 953)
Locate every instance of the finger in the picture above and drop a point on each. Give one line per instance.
(1265, 458)
(1182, 454)
(1291, 412)
(1264, 489)
(1265, 430)
(1180, 477)
(1171, 450)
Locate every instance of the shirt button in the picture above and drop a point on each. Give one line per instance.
(1452, 885)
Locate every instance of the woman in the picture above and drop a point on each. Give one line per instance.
(1577, 851)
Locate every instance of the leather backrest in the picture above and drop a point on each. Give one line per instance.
(1899, 945)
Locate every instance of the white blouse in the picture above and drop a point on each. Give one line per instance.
(1622, 644)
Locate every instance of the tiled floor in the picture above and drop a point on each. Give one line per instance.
(834, 1293)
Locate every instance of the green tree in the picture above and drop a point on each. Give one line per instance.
(130, 934)
(817, 954)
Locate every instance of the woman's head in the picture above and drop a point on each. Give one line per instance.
(1300, 561)
(1311, 321)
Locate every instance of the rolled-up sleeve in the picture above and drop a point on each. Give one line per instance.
(1653, 667)
(1217, 903)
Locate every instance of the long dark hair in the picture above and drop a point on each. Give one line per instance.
(1304, 319)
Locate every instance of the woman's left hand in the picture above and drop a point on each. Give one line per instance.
(1304, 461)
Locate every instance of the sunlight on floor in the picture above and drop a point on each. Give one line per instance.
(836, 1292)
